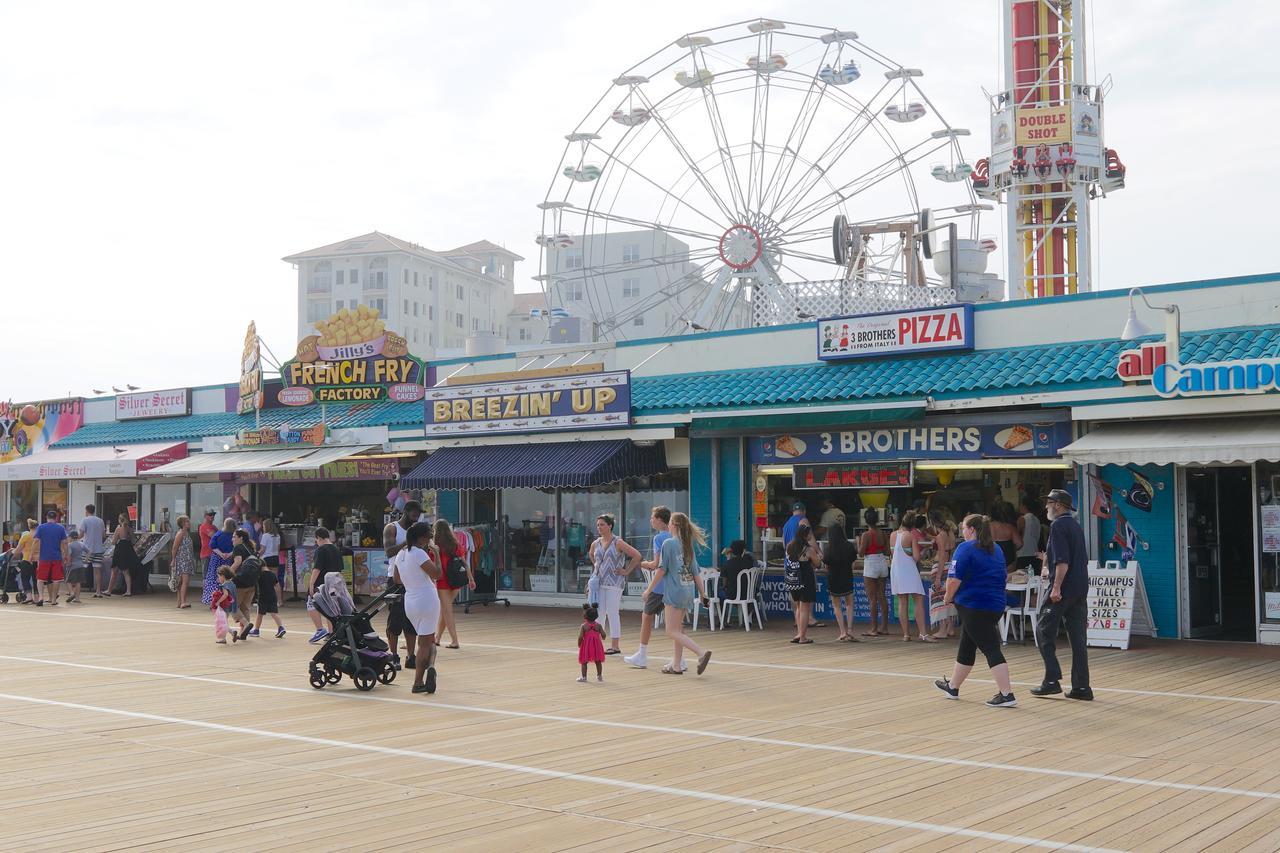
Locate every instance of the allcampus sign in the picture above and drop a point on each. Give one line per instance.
(549, 404)
(1212, 378)
(354, 359)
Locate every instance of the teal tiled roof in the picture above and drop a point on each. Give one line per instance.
(1088, 364)
(196, 427)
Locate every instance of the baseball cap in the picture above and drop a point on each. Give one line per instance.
(797, 506)
(1060, 496)
(210, 512)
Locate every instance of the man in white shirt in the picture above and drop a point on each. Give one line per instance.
(93, 533)
(832, 519)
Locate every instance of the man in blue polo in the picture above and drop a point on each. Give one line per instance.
(793, 523)
(1067, 565)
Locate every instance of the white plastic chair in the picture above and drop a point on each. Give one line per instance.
(710, 586)
(1029, 607)
(761, 611)
(745, 599)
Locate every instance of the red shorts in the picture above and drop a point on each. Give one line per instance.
(49, 570)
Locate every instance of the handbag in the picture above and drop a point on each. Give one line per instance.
(455, 572)
(792, 581)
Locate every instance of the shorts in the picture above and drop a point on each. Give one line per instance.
(807, 595)
(267, 602)
(49, 571)
(311, 605)
(875, 566)
(75, 575)
(397, 621)
(653, 605)
(94, 562)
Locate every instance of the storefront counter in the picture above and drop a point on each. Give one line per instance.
(777, 600)
(364, 569)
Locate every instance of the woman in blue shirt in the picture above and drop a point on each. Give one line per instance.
(975, 584)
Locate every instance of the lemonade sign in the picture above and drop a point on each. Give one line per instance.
(352, 359)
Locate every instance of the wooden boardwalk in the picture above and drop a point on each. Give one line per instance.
(125, 727)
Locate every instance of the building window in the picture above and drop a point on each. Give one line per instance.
(431, 312)
(573, 259)
(406, 275)
(415, 309)
(317, 310)
(431, 283)
(630, 287)
(458, 319)
(460, 293)
(355, 276)
(415, 278)
(639, 321)
(406, 307)
(475, 324)
(524, 334)
(631, 253)
(431, 339)
(376, 280)
(415, 336)
(573, 292)
(341, 274)
(379, 305)
(320, 277)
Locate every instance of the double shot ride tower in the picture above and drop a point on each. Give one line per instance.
(1048, 160)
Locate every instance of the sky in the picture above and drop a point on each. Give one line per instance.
(160, 158)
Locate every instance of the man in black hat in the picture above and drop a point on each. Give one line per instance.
(1067, 565)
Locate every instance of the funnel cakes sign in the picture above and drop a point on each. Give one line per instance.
(353, 359)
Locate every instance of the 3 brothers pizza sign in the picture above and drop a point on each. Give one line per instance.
(353, 359)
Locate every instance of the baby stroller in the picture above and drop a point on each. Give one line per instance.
(8, 573)
(353, 648)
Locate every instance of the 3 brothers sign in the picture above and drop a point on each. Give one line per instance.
(354, 359)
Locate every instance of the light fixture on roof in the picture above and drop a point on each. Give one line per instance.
(1135, 328)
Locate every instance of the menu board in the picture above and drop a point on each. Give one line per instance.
(1117, 604)
(1271, 528)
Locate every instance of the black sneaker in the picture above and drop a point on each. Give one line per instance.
(1047, 688)
(944, 684)
(1084, 694)
(431, 679)
(410, 662)
(1002, 700)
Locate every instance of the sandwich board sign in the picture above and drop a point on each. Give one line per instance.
(1118, 606)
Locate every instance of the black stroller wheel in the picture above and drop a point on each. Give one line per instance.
(388, 674)
(365, 678)
(4, 598)
(318, 680)
(332, 676)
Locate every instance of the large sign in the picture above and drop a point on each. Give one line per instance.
(896, 333)
(353, 359)
(1002, 440)
(853, 475)
(1034, 125)
(88, 469)
(346, 469)
(1169, 379)
(250, 372)
(153, 404)
(551, 404)
(27, 428)
(269, 437)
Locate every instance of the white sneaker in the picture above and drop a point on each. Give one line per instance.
(582, 679)
(640, 660)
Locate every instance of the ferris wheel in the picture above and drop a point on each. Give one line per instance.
(708, 176)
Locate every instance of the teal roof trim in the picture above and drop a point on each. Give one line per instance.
(196, 427)
(1084, 365)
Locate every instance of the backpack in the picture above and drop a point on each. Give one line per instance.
(455, 572)
(249, 572)
(792, 580)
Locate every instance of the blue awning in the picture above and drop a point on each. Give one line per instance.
(566, 464)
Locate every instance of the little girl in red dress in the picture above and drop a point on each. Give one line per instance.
(591, 643)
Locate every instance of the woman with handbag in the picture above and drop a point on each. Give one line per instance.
(802, 557)
(455, 574)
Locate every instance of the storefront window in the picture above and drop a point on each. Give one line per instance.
(643, 494)
(580, 508)
(531, 542)
(1269, 532)
(205, 496)
(53, 498)
(24, 498)
(170, 502)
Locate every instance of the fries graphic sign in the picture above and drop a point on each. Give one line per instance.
(352, 359)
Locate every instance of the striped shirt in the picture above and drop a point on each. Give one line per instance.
(610, 563)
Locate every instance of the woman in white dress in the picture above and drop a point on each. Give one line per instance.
(904, 579)
(414, 569)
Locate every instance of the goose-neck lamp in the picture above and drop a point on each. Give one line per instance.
(1135, 328)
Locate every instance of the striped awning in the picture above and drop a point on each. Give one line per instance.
(566, 464)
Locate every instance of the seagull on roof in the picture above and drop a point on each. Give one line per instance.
(96, 391)
(117, 390)
(132, 387)
(804, 315)
(695, 327)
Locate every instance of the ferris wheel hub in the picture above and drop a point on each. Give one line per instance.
(740, 246)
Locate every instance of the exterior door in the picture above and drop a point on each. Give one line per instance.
(1204, 555)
